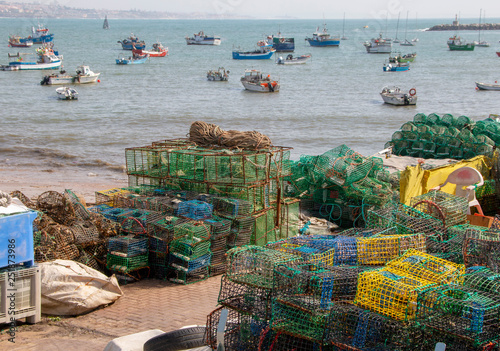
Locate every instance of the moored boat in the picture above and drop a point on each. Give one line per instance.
(15, 42)
(498, 53)
(134, 59)
(39, 35)
(253, 80)
(402, 58)
(158, 50)
(218, 75)
(67, 93)
(47, 59)
(455, 43)
(487, 86)
(105, 25)
(202, 39)
(378, 45)
(321, 39)
(291, 60)
(281, 43)
(396, 66)
(83, 76)
(394, 96)
(264, 52)
(132, 43)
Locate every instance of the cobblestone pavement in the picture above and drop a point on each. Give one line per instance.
(146, 304)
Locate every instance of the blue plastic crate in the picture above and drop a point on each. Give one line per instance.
(191, 265)
(17, 231)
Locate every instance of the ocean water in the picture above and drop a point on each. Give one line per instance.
(331, 100)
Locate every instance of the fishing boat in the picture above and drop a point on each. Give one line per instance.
(67, 93)
(83, 76)
(46, 59)
(291, 60)
(455, 43)
(403, 58)
(498, 53)
(479, 42)
(157, 50)
(39, 35)
(378, 45)
(281, 43)
(253, 80)
(202, 39)
(105, 25)
(132, 60)
(15, 42)
(487, 86)
(394, 96)
(218, 75)
(322, 39)
(396, 66)
(132, 43)
(264, 52)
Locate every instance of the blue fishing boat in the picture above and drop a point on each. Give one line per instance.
(264, 52)
(136, 59)
(396, 66)
(132, 43)
(280, 43)
(38, 36)
(323, 38)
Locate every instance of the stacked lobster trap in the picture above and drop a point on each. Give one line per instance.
(244, 184)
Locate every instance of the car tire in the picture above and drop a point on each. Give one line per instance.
(181, 339)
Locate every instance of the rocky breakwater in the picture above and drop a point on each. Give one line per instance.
(473, 26)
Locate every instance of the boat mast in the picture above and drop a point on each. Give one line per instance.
(406, 27)
(479, 39)
(343, 27)
(397, 26)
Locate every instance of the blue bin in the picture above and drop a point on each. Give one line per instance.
(17, 230)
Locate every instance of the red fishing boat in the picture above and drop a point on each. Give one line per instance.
(15, 42)
(158, 50)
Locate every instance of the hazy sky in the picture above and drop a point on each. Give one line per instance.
(366, 9)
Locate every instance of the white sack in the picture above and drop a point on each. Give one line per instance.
(71, 288)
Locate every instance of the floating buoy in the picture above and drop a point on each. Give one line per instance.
(98, 81)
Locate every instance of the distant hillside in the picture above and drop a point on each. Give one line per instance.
(54, 10)
(473, 26)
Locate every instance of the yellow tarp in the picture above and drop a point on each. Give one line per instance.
(416, 181)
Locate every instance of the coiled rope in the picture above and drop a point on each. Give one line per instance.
(207, 134)
(5, 199)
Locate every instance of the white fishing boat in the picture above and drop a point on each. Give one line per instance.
(394, 96)
(253, 80)
(378, 46)
(291, 60)
(218, 75)
(487, 86)
(67, 93)
(83, 76)
(202, 39)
